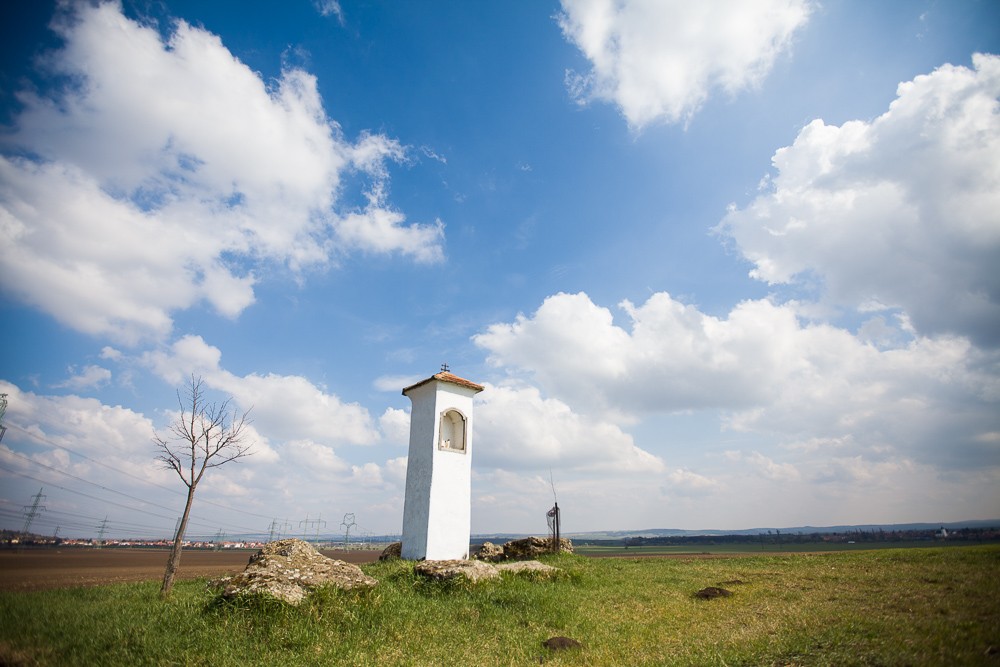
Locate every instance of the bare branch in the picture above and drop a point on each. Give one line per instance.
(203, 436)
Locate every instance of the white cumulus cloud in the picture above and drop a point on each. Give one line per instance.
(659, 60)
(896, 213)
(284, 407)
(762, 370)
(517, 428)
(165, 172)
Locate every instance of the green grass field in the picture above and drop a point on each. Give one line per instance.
(934, 606)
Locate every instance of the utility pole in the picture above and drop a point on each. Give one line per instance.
(347, 524)
(554, 517)
(276, 528)
(3, 411)
(103, 528)
(32, 511)
(314, 522)
(219, 536)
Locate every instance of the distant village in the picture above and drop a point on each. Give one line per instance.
(771, 539)
(10, 538)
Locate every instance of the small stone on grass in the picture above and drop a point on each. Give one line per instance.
(561, 643)
(712, 592)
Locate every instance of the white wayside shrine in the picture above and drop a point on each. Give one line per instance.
(437, 508)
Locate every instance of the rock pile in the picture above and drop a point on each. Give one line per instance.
(289, 569)
(523, 549)
(490, 552)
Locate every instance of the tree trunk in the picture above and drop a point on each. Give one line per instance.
(174, 561)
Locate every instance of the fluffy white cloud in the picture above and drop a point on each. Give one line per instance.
(764, 466)
(395, 383)
(167, 173)
(395, 470)
(896, 213)
(395, 426)
(88, 376)
(116, 441)
(287, 406)
(314, 458)
(83, 424)
(660, 60)
(368, 474)
(689, 483)
(932, 399)
(674, 358)
(517, 428)
(284, 407)
(308, 476)
(381, 230)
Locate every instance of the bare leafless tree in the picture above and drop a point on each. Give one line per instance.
(205, 435)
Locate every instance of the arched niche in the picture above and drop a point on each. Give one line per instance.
(452, 431)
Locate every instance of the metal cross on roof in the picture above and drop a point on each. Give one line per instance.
(444, 368)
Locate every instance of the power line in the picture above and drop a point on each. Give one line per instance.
(279, 528)
(128, 474)
(74, 520)
(33, 512)
(101, 530)
(102, 500)
(39, 438)
(127, 525)
(314, 522)
(86, 481)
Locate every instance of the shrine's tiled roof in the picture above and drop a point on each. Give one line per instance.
(445, 376)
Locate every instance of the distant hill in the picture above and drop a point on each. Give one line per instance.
(805, 530)
(500, 538)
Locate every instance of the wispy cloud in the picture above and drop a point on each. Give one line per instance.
(330, 8)
(87, 377)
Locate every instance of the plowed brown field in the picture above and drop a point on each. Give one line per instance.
(33, 569)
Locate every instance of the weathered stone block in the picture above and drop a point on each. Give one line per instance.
(473, 570)
(289, 569)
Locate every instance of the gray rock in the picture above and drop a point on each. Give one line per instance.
(440, 570)
(528, 566)
(490, 552)
(289, 569)
(392, 552)
(533, 547)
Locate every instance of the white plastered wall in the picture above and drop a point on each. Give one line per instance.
(437, 508)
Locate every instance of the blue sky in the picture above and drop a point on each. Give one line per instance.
(718, 266)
